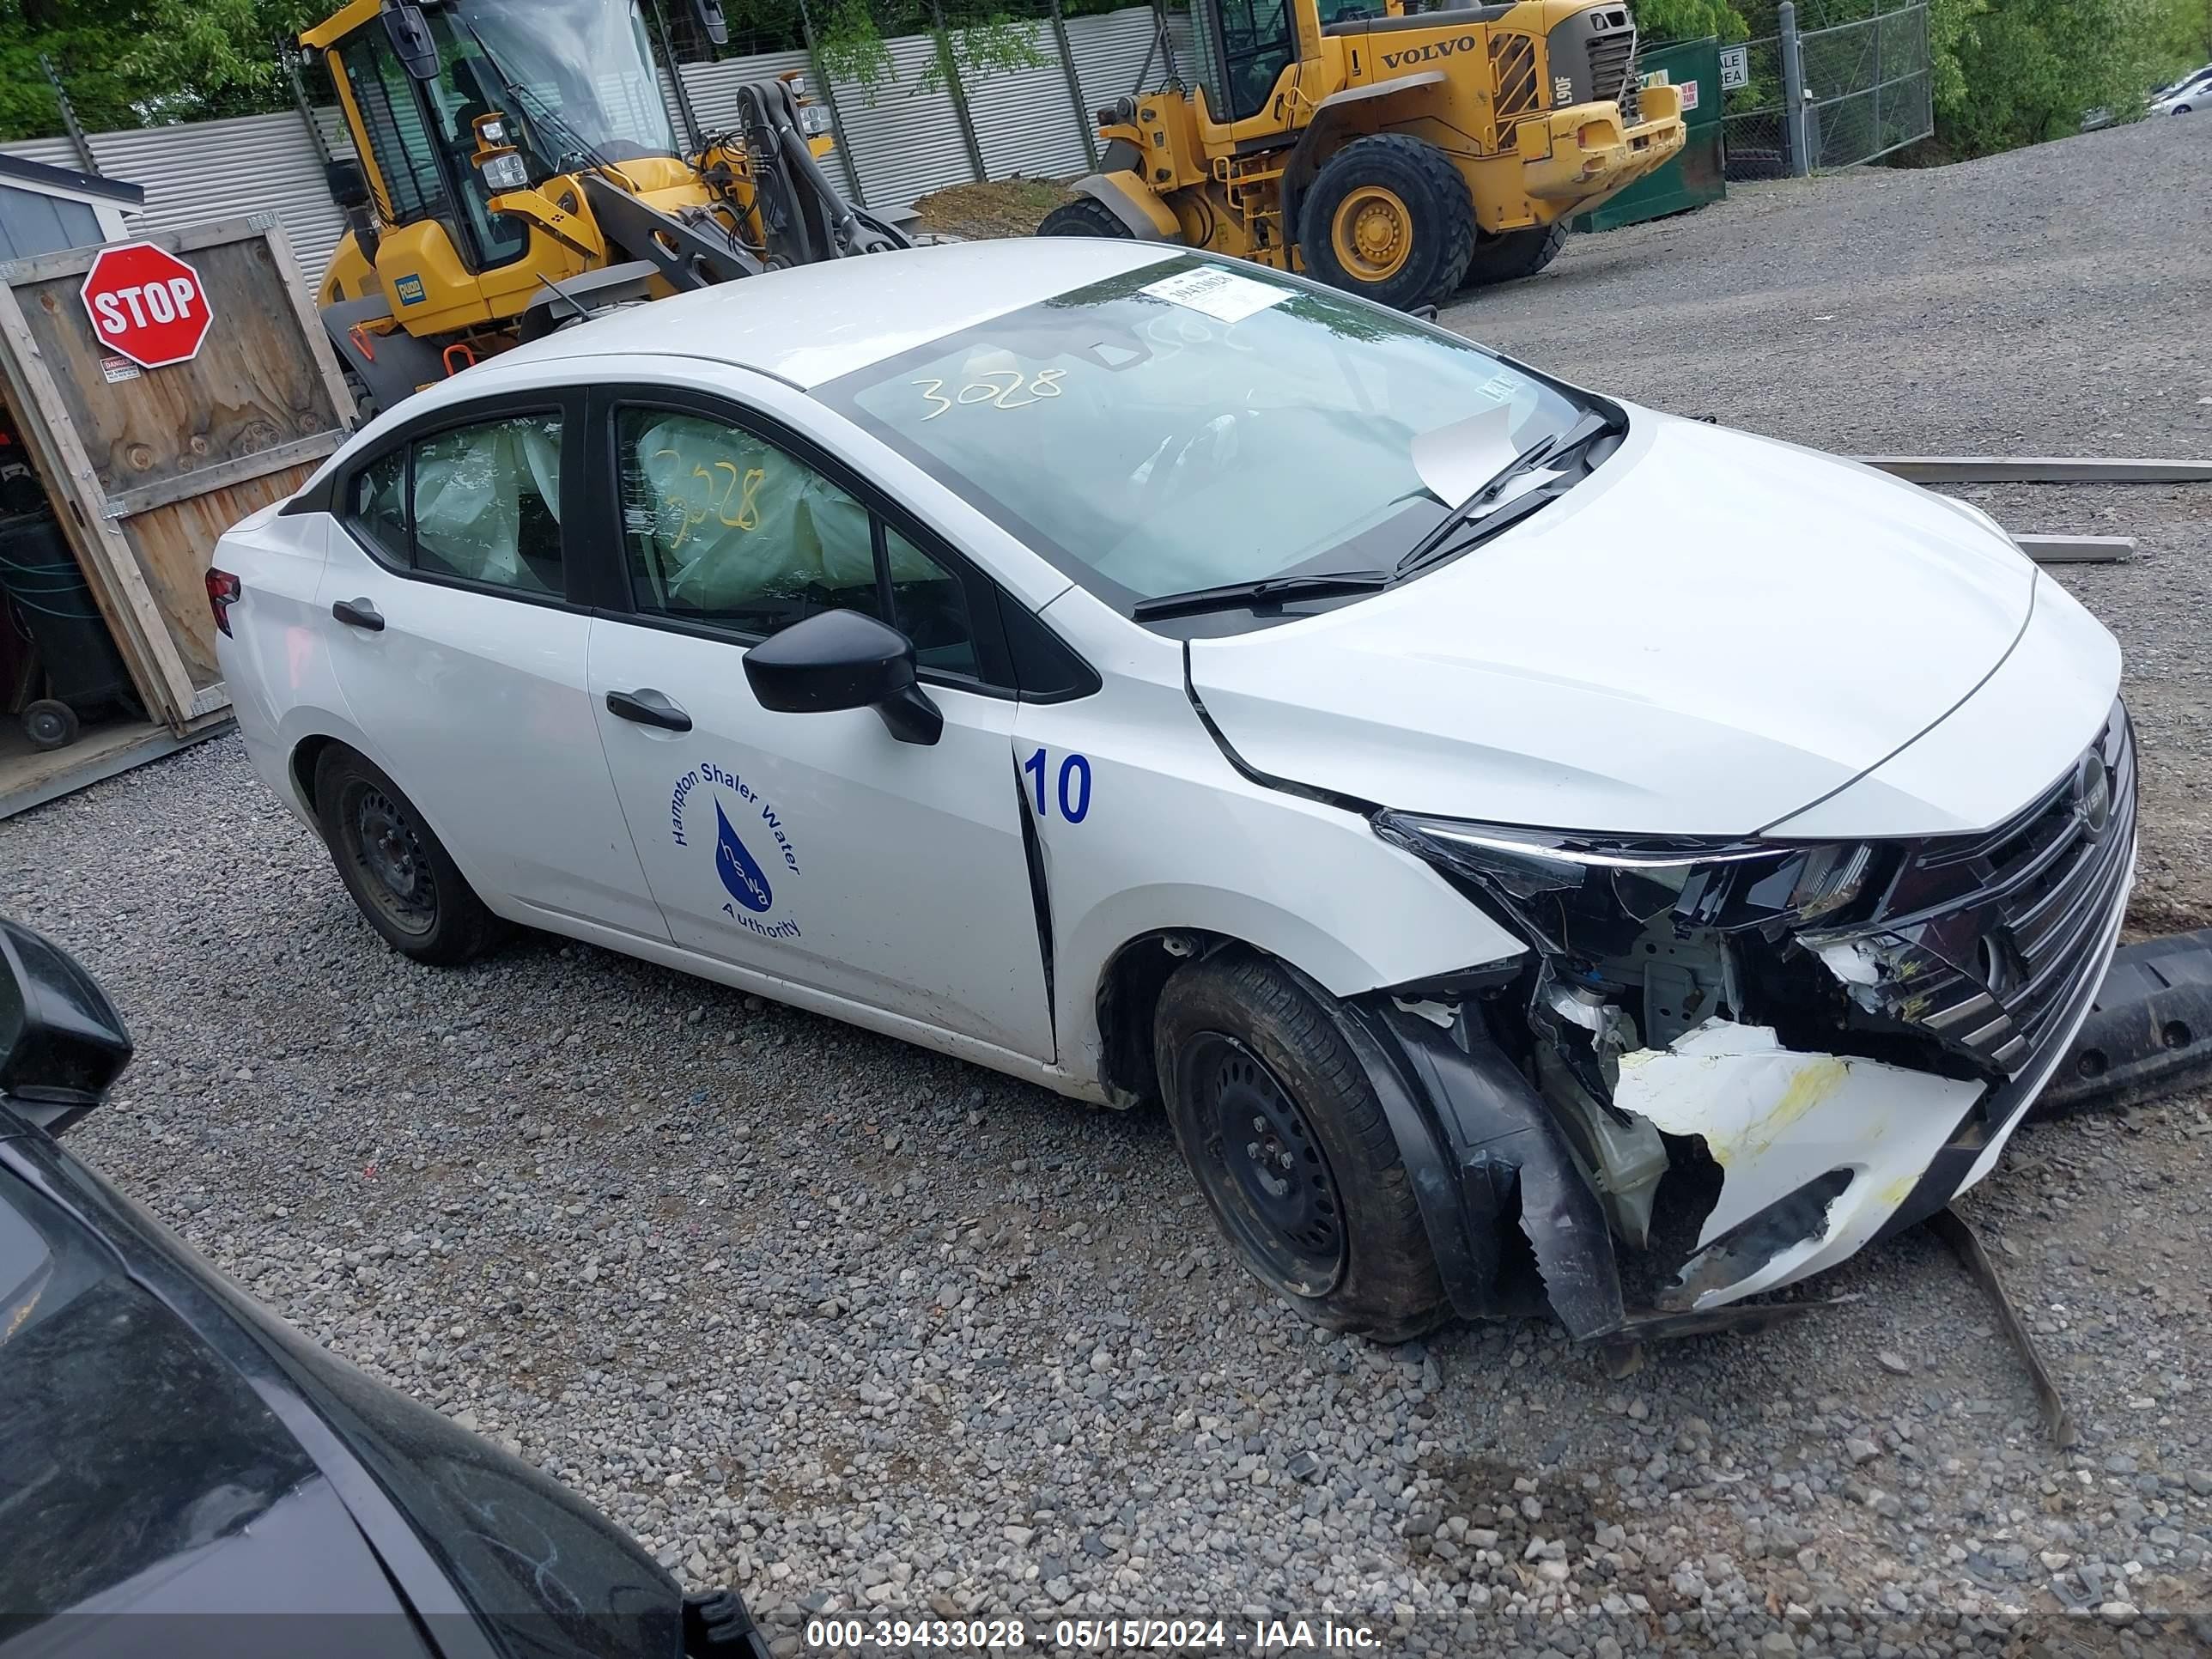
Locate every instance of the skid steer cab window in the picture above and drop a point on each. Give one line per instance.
(1197, 423)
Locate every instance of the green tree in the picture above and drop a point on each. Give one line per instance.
(2012, 72)
(136, 62)
(1690, 20)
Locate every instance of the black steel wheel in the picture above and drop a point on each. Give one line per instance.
(402, 878)
(1288, 1141)
(49, 723)
(1257, 1141)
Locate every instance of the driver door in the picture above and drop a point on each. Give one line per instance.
(817, 848)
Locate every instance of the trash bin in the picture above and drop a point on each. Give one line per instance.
(50, 603)
(1693, 177)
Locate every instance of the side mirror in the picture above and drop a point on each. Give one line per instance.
(410, 38)
(842, 659)
(62, 1043)
(349, 185)
(710, 19)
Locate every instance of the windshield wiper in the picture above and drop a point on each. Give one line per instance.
(1538, 455)
(1234, 595)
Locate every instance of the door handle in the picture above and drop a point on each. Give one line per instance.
(648, 708)
(359, 613)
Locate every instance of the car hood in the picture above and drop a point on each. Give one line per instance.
(1712, 631)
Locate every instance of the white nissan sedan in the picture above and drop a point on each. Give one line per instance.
(1536, 848)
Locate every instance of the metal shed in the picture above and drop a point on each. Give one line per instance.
(137, 471)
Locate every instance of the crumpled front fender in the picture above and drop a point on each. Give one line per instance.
(1478, 1143)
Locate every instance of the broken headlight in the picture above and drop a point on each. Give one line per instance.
(1718, 885)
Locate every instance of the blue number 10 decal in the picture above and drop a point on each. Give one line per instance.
(1074, 789)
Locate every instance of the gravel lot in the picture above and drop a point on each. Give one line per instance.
(852, 1326)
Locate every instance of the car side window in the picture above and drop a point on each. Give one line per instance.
(485, 504)
(378, 507)
(929, 606)
(723, 526)
(481, 503)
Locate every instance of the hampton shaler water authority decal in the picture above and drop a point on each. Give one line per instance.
(736, 807)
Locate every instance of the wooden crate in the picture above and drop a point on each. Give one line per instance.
(147, 467)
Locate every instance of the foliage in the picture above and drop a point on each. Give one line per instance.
(1690, 20)
(133, 63)
(2011, 72)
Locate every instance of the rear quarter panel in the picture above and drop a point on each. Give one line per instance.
(276, 658)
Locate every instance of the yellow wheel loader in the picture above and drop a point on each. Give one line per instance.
(518, 170)
(1396, 153)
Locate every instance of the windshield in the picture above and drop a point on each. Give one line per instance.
(582, 73)
(1193, 425)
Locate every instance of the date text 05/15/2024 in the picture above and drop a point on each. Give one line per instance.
(1288, 1635)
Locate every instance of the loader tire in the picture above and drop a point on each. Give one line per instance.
(1389, 219)
(1515, 254)
(1086, 216)
(1281, 1126)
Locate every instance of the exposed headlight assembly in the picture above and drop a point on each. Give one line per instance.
(1718, 885)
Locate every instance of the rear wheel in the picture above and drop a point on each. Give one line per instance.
(1086, 216)
(1289, 1144)
(1516, 253)
(398, 872)
(1389, 218)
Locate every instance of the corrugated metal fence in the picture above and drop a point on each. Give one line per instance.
(901, 142)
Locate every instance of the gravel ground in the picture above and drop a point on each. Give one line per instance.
(855, 1327)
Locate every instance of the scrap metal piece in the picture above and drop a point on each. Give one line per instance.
(2078, 549)
(1951, 1227)
(2023, 469)
(2151, 1025)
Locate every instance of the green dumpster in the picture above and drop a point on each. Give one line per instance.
(1693, 177)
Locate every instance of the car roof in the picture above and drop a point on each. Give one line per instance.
(813, 323)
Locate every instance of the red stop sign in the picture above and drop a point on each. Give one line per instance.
(146, 304)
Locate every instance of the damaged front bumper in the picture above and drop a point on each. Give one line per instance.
(1715, 1097)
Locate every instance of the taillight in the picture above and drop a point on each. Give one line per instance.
(223, 590)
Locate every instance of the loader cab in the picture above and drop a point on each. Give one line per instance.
(573, 80)
(1244, 45)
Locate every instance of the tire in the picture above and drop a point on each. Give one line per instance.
(1085, 216)
(1239, 1041)
(49, 723)
(399, 873)
(1515, 254)
(1389, 218)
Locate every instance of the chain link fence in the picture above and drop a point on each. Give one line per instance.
(1865, 63)
(1872, 85)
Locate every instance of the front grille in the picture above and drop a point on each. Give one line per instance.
(1613, 71)
(1513, 73)
(1981, 938)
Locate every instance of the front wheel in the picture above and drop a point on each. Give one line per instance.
(400, 875)
(1389, 218)
(1277, 1122)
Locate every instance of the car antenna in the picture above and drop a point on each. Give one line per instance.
(583, 313)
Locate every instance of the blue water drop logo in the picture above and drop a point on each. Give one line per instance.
(746, 881)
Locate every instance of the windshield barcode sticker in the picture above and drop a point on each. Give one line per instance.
(1221, 294)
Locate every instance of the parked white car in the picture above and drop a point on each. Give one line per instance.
(2185, 96)
(1510, 829)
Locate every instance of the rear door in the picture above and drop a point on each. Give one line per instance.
(817, 848)
(461, 653)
